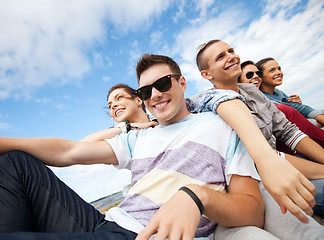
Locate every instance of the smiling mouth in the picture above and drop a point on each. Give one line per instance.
(255, 82)
(161, 105)
(118, 112)
(231, 67)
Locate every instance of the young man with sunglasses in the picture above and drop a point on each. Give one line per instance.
(179, 173)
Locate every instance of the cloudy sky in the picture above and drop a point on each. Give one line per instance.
(58, 58)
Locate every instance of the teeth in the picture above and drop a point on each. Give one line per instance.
(255, 82)
(233, 66)
(118, 112)
(161, 105)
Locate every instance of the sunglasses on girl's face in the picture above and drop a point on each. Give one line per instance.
(250, 75)
(163, 84)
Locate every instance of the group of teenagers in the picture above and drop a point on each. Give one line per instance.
(207, 167)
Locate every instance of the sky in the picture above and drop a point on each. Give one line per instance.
(58, 59)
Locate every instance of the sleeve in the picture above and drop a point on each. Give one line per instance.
(283, 94)
(283, 129)
(238, 160)
(123, 145)
(210, 99)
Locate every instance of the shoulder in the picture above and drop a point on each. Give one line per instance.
(251, 90)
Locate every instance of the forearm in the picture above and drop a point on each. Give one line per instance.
(309, 169)
(311, 150)
(101, 135)
(239, 117)
(50, 151)
(231, 209)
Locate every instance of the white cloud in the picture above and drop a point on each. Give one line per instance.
(46, 43)
(43, 101)
(296, 41)
(106, 78)
(94, 181)
(4, 126)
(181, 12)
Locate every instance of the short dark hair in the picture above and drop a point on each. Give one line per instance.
(260, 63)
(243, 65)
(201, 62)
(149, 60)
(131, 91)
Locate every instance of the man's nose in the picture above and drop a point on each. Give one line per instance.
(155, 93)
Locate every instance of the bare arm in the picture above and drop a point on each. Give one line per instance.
(310, 149)
(179, 217)
(112, 132)
(241, 206)
(311, 170)
(61, 152)
(101, 135)
(284, 182)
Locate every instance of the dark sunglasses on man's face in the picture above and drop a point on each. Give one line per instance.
(163, 84)
(250, 75)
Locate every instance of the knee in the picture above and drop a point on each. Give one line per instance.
(285, 109)
(18, 159)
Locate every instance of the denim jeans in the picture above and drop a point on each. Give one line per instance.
(35, 204)
(319, 197)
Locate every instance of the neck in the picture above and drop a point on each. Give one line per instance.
(143, 117)
(140, 117)
(233, 86)
(267, 88)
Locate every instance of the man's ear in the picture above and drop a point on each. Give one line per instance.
(205, 74)
(183, 83)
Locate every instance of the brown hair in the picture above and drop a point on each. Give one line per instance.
(200, 61)
(149, 60)
(243, 65)
(131, 91)
(260, 63)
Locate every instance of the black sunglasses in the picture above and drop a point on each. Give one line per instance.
(163, 84)
(249, 75)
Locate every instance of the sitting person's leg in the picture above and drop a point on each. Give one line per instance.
(107, 231)
(33, 199)
(319, 197)
(242, 233)
(286, 226)
(302, 123)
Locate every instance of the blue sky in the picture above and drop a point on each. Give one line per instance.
(58, 59)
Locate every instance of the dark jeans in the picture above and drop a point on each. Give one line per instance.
(35, 204)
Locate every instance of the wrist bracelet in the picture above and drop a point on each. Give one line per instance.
(195, 198)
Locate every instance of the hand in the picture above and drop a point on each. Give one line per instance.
(289, 188)
(178, 218)
(144, 125)
(294, 98)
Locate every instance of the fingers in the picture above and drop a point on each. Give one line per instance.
(165, 232)
(303, 197)
(294, 98)
(147, 232)
(294, 210)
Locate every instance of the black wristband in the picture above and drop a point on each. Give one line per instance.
(195, 198)
(128, 126)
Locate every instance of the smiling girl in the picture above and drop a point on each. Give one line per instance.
(272, 77)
